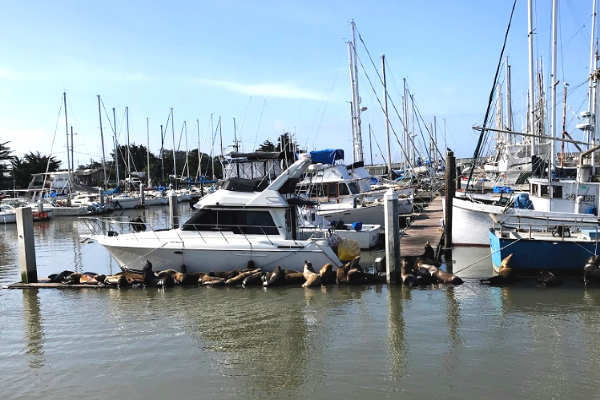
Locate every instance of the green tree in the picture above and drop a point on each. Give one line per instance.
(267, 145)
(285, 142)
(32, 163)
(5, 158)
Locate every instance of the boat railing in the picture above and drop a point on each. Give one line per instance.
(111, 226)
(559, 229)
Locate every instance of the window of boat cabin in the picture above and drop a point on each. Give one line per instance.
(545, 192)
(344, 191)
(557, 192)
(534, 189)
(332, 190)
(353, 188)
(238, 221)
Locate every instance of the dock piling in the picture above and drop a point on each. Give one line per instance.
(173, 210)
(142, 196)
(26, 245)
(450, 192)
(392, 238)
(101, 196)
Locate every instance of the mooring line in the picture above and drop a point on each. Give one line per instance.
(489, 255)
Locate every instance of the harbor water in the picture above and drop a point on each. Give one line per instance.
(378, 341)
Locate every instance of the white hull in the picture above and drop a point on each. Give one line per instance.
(367, 237)
(125, 203)
(165, 249)
(67, 211)
(371, 215)
(471, 221)
(156, 201)
(8, 218)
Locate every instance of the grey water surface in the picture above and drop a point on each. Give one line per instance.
(354, 342)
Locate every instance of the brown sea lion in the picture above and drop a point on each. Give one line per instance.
(327, 274)
(88, 279)
(294, 278)
(505, 274)
(252, 280)
(591, 270)
(58, 278)
(239, 279)
(151, 280)
(356, 276)
(72, 279)
(374, 278)
(116, 280)
(165, 272)
(226, 274)
(191, 278)
(408, 277)
(443, 276)
(276, 278)
(312, 278)
(209, 280)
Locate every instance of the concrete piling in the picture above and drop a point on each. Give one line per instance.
(392, 238)
(26, 245)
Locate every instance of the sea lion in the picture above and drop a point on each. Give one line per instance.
(209, 280)
(115, 280)
(226, 274)
(504, 276)
(191, 278)
(88, 278)
(356, 276)
(327, 274)
(408, 278)
(72, 279)
(239, 279)
(374, 278)
(341, 275)
(150, 279)
(424, 277)
(443, 276)
(252, 280)
(312, 278)
(276, 278)
(591, 270)
(165, 272)
(58, 278)
(547, 278)
(294, 278)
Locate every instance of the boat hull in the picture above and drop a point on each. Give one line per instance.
(530, 256)
(371, 215)
(204, 254)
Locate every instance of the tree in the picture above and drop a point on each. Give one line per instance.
(32, 163)
(138, 159)
(5, 158)
(266, 146)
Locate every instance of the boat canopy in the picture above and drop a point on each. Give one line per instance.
(265, 155)
(327, 156)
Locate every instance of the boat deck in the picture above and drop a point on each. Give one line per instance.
(424, 227)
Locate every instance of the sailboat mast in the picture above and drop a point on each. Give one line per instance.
(174, 153)
(212, 151)
(67, 131)
(187, 151)
(591, 86)
(116, 146)
(564, 128)
(387, 119)
(370, 144)
(102, 140)
(148, 148)
(221, 136)
(357, 107)
(531, 77)
(553, 87)
(509, 117)
(352, 103)
(162, 152)
(72, 147)
(128, 155)
(199, 173)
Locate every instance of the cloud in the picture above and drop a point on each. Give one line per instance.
(282, 90)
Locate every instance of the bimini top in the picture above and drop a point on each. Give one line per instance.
(327, 156)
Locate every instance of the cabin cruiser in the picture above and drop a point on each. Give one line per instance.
(229, 229)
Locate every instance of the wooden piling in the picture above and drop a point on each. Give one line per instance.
(26, 245)
(457, 176)
(173, 210)
(142, 196)
(450, 192)
(392, 238)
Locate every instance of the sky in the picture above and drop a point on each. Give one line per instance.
(274, 65)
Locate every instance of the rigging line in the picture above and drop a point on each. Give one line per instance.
(383, 109)
(259, 121)
(53, 139)
(478, 147)
(244, 119)
(489, 255)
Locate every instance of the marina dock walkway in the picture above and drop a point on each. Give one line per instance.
(425, 227)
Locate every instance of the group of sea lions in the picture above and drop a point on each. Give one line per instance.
(424, 270)
(505, 275)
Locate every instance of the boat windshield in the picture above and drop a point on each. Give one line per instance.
(237, 221)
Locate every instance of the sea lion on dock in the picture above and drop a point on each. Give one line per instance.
(547, 278)
(276, 278)
(423, 277)
(225, 274)
(591, 270)
(342, 272)
(210, 280)
(443, 276)
(505, 274)
(239, 279)
(374, 278)
(294, 278)
(150, 279)
(115, 280)
(408, 278)
(312, 278)
(58, 278)
(327, 274)
(252, 280)
(191, 278)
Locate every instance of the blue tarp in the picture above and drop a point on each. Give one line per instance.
(327, 156)
(522, 201)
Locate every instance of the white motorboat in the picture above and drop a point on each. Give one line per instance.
(124, 201)
(8, 214)
(229, 229)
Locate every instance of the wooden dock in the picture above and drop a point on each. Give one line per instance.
(425, 227)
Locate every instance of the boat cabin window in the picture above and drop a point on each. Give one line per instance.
(238, 221)
(545, 191)
(344, 191)
(557, 192)
(353, 188)
(317, 191)
(534, 190)
(332, 190)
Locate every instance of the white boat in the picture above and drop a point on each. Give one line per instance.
(8, 214)
(229, 229)
(124, 201)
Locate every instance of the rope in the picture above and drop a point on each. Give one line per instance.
(144, 255)
(489, 255)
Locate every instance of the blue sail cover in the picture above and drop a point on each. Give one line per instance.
(327, 156)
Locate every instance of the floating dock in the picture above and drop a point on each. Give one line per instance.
(425, 227)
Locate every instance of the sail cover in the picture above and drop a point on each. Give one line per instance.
(327, 156)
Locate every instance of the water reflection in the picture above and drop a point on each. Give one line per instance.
(397, 348)
(33, 330)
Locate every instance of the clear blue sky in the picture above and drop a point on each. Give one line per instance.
(284, 60)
